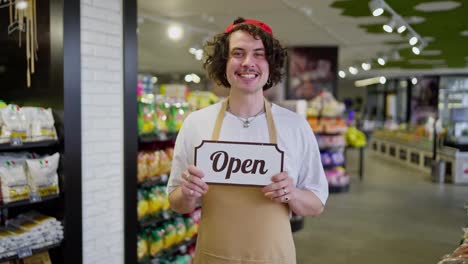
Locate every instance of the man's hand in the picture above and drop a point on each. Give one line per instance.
(281, 189)
(193, 185)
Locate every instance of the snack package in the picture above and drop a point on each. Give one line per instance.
(181, 229)
(142, 246)
(169, 235)
(39, 258)
(161, 116)
(13, 181)
(146, 115)
(164, 162)
(142, 206)
(155, 202)
(156, 241)
(142, 168)
(14, 124)
(41, 122)
(152, 163)
(42, 175)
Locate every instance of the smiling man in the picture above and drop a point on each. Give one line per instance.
(245, 224)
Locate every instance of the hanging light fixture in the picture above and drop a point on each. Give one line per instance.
(21, 4)
(381, 61)
(413, 40)
(376, 7)
(366, 66)
(353, 70)
(342, 74)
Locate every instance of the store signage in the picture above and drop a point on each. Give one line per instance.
(242, 163)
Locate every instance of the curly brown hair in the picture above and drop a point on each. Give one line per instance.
(217, 52)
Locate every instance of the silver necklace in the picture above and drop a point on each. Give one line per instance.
(247, 121)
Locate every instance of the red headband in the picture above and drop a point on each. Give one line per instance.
(257, 23)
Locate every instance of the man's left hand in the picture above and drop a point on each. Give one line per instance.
(282, 188)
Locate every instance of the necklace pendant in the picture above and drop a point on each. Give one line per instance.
(246, 124)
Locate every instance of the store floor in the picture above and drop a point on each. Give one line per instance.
(394, 216)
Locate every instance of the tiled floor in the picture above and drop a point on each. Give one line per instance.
(394, 216)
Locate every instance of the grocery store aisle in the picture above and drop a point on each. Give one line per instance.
(396, 215)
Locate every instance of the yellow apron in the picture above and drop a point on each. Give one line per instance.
(239, 225)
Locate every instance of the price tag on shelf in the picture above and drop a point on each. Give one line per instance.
(16, 141)
(183, 249)
(164, 177)
(24, 252)
(166, 215)
(34, 197)
(155, 261)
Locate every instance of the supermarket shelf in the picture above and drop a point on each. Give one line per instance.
(27, 252)
(328, 167)
(181, 247)
(28, 145)
(158, 219)
(338, 189)
(27, 202)
(162, 137)
(153, 181)
(335, 148)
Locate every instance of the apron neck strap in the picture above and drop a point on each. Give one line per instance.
(269, 116)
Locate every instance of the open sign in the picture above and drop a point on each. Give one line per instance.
(243, 163)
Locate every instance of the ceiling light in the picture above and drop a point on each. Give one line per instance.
(199, 54)
(366, 66)
(381, 61)
(387, 28)
(414, 80)
(175, 32)
(192, 51)
(416, 50)
(21, 4)
(188, 78)
(342, 74)
(413, 41)
(376, 7)
(353, 70)
(195, 78)
(382, 80)
(401, 29)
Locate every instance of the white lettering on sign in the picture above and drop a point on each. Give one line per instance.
(238, 162)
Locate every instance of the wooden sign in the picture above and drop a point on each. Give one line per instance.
(243, 163)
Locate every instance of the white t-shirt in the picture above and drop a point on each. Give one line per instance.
(295, 137)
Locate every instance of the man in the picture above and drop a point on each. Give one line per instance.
(243, 224)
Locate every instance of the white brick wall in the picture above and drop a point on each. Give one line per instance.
(102, 131)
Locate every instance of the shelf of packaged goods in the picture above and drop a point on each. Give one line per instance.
(175, 249)
(28, 145)
(29, 201)
(154, 181)
(297, 223)
(162, 137)
(335, 148)
(28, 251)
(157, 219)
(338, 189)
(329, 167)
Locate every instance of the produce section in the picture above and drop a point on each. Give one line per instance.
(325, 118)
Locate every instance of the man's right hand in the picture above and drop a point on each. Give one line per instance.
(193, 185)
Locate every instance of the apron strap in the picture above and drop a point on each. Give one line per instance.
(269, 116)
(219, 121)
(271, 123)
